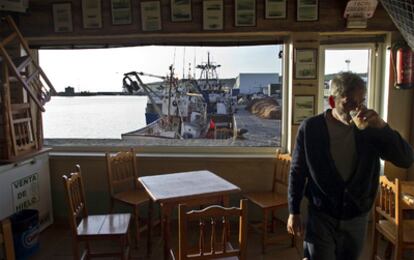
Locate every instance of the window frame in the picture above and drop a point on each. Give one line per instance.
(85, 146)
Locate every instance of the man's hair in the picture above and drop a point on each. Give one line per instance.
(346, 82)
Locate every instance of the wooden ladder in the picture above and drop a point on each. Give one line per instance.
(19, 67)
(21, 121)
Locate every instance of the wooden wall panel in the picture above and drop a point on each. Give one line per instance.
(400, 113)
(250, 174)
(303, 87)
(37, 25)
(411, 170)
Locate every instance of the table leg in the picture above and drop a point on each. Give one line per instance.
(166, 213)
(149, 223)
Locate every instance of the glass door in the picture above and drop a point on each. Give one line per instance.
(358, 59)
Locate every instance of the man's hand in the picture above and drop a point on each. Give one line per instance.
(371, 117)
(294, 225)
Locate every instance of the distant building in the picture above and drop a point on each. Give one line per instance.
(249, 83)
(69, 91)
(329, 77)
(273, 89)
(228, 83)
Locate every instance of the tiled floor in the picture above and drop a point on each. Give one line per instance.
(55, 244)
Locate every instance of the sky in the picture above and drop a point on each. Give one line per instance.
(102, 69)
(335, 61)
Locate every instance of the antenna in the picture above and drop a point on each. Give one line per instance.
(195, 59)
(173, 62)
(347, 61)
(184, 63)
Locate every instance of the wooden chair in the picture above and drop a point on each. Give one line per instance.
(271, 201)
(389, 221)
(6, 239)
(219, 242)
(93, 227)
(124, 185)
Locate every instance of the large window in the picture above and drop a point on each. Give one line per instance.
(199, 95)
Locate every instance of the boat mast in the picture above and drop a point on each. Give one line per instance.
(171, 79)
(184, 63)
(208, 67)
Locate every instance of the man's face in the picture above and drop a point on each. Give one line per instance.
(350, 101)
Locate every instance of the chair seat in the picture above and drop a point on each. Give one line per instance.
(267, 199)
(389, 228)
(104, 225)
(132, 197)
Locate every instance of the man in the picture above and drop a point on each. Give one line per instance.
(336, 166)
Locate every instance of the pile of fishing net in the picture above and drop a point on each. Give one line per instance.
(265, 108)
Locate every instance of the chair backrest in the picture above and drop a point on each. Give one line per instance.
(75, 195)
(281, 173)
(389, 202)
(122, 171)
(211, 242)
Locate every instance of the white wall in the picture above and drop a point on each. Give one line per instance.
(250, 83)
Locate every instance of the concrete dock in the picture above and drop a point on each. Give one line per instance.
(263, 132)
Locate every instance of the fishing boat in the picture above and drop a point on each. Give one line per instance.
(183, 109)
(217, 95)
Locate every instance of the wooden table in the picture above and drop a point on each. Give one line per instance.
(191, 188)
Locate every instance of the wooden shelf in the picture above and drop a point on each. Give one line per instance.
(25, 156)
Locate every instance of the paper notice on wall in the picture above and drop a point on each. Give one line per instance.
(26, 192)
(360, 8)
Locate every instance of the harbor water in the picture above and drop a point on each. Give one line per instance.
(93, 116)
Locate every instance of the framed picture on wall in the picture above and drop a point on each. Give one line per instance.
(121, 12)
(62, 17)
(303, 107)
(307, 10)
(213, 15)
(245, 12)
(91, 14)
(275, 9)
(305, 63)
(180, 10)
(151, 16)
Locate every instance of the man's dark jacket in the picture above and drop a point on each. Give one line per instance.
(313, 166)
